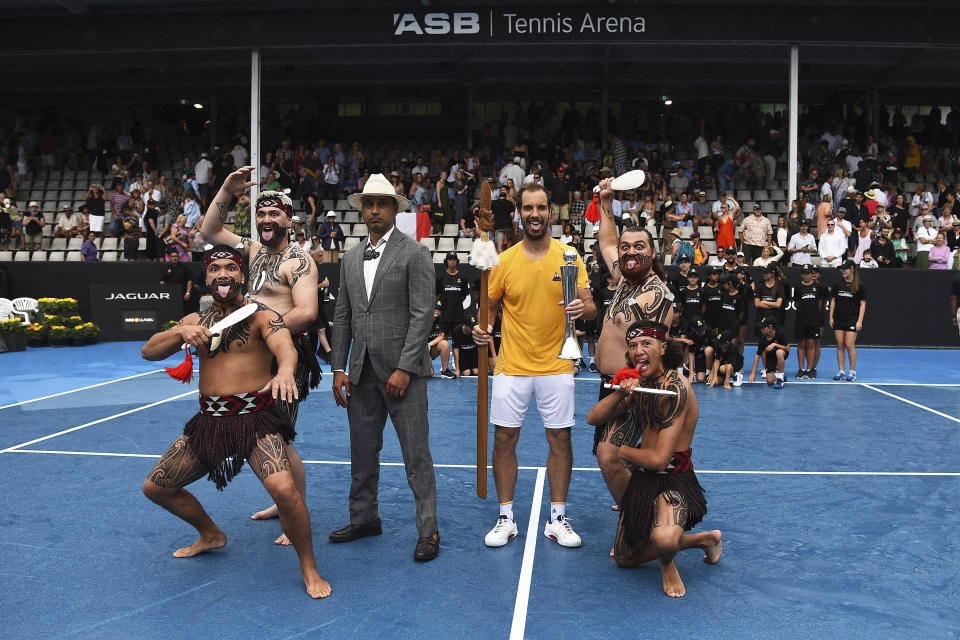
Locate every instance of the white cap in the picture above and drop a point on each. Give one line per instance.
(331, 214)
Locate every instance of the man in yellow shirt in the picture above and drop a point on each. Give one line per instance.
(527, 283)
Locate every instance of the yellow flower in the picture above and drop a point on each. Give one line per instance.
(75, 317)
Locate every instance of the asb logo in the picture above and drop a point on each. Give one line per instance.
(436, 23)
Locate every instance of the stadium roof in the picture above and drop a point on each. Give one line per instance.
(67, 50)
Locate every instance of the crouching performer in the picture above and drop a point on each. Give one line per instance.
(241, 413)
(663, 497)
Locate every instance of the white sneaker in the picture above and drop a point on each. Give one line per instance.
(503, 531)
(737, 379)
(561, 531)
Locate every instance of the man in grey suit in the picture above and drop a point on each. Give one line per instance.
(383, 319)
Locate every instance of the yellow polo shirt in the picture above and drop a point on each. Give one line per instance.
(533, 321)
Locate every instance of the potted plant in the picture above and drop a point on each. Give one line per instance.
(58, 336)
(75, 336)
(36, 334)
(13, 335)
(90, 332)
(47, 305)
(168, 324)
(67, 306)
(50, 319)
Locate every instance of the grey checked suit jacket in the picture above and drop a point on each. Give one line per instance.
(392, 327)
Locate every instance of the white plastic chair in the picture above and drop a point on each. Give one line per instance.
(25, 308)
(6, 308)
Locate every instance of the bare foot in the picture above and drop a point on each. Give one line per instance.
(282, 540)
(615, 508)
(714, 548)
(203, 544)
(726, 385)
(316, 586)
(611, 553)
(266, 514)
(672, 584)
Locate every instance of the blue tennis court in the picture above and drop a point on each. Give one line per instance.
(837, 503)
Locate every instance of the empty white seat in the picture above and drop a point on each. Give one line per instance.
(350, 242)
(75, 244)
(705, 231)
(464, 244)
(450, 230)
(360, 230)
(55, 256)
(22, 256)
(428, 242)
(438, 257)
(39, 256)
(59, 244)
(109, 256)
(109, 244)
(445, 244)
(74, 256)
(6, 256)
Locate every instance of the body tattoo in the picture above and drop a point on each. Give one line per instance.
(222, 208)
(237, 335)
(267, 267)
(626, 300)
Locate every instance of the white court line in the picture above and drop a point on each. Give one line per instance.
(92, 386)
(733, 472)
(910, 402)
(824, 382)
(526, 568)
(90, 424)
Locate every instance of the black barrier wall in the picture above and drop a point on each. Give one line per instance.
(905, 307)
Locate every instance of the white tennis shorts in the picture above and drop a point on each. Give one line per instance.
(96, 224)
(554, 393)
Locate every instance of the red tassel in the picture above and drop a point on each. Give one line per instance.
(624, 374)
(183, 371)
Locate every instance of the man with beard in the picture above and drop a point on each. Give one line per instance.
(240, 415)
(283, 277)
(527, 282)
(382, 322)
(662, 498)
(642, 294)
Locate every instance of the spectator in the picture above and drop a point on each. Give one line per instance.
(131, 234)
(89, 250)
(724, 225)
(867, 261)
(33, 223)
(503, 215)
(810, 187)
(769, 255)
(198, 243)
(702, 211)
(833, 245)
(578, 209)
(438, 343)
(940, 253)
(118, 198)
(67, 223)
(6, 227)
(864, 238)
(899, 246)
(178, 239)
(151, 232)
(755, 233)
(176, 272)
(466, 355)
(203, 174)
(560, 195)
(96, 200)
(925, 235)
(468, 223)
(781, 233)
(191, 210)
(953, 236)
(802, 245)
(727, 361)
(882, 251)
(331, 179)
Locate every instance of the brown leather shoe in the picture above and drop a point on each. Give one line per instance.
(352, 532)
(427, 548)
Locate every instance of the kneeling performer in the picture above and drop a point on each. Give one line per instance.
(241, 414)
(663, 497)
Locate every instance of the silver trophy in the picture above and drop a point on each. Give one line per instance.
(568, 278)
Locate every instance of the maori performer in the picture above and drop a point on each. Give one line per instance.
(283, 277)
(641, 294)
(241, 416)
(663, 497)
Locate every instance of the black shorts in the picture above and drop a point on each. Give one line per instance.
(447, 326)
(807, 332)
(469, 359)
(770, 359)
(844, 326)
(700, 362)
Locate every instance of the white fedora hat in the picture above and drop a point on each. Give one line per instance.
(378, 185)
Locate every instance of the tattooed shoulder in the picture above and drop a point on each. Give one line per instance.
(670, 409)
(274, 321)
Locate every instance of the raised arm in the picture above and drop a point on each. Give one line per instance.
(217, 211)
(607, 233)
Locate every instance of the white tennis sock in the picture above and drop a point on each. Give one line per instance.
(506, 509)
(557, 509)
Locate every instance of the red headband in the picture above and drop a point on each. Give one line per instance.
(646, 331)
(222, 255)
(274, 201)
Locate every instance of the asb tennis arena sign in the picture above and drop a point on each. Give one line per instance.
(497, 24)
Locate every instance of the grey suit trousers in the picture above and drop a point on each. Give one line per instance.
(367, 411)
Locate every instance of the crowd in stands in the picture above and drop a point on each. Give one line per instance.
(890, 198)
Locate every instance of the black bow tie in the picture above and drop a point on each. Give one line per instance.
(370, 254)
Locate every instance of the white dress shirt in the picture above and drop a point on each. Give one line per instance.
(370, 266)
